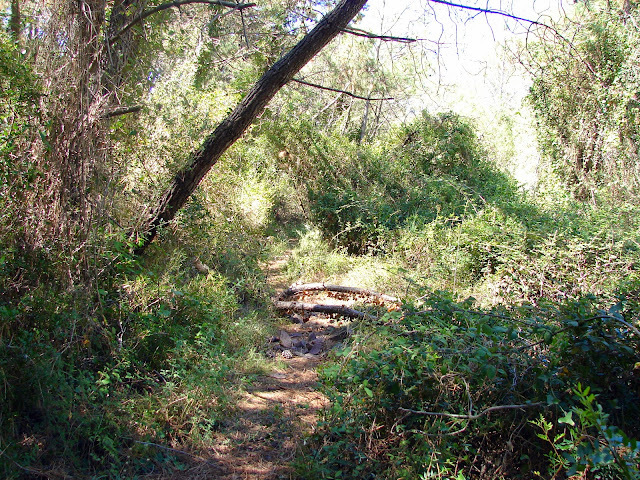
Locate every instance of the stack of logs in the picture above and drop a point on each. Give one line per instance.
(317, 337)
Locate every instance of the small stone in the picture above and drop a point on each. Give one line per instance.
(287, 354)
(285, 339)
(316, 348)
(295, 318)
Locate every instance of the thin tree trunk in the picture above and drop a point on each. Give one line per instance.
(15, 22)
(201, 161)
(365, 118)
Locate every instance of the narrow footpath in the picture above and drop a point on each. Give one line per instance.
(262, 434)
(278, 410)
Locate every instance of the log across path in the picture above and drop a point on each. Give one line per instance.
(339, 309)
(316, 287)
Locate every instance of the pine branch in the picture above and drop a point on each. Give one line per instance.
(330, 89)
(385, 38)
(175, 4)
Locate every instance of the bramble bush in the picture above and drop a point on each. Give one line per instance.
(444, 390)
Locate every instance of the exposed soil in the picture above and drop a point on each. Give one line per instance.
(271, 420)
(262, 435)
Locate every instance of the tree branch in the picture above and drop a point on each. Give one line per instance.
(521, 19)
(177, 3)
(491, 11)
(385, 38)
(122, 111)
(564, 329)
(472, 416)
(233, 127)
(330, 89)
(15, 21)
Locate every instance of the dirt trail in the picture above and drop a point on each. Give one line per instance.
(278, 410)
(261, 437)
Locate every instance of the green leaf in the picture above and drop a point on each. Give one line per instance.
(567, 419)
(490, 372)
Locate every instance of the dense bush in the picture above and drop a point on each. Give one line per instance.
(588, 127)
(526, 253)
(92, 379)
(359, 194)
(442, 390)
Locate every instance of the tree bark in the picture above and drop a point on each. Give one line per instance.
(201, 161)
(322, 287)
(15, 21)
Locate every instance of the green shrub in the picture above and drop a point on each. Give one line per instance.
(588, 445)
(444, 390)
(89, 379)
(359, 194)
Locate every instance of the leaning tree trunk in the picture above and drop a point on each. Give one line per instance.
(201, 161)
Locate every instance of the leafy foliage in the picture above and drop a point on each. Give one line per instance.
(590, 444)
(152, 359)
(360, 194)
(589, 125)
(439, 389)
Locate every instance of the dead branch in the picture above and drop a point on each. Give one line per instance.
(491, 11)
(385, 38)
(320, 308)
(322, 287)
(525, 20)
(472, 416)
(122, 111)
(351, 94)
(175, 4)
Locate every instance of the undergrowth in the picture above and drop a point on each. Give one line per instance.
(155, 362)
(112, 373)
(115, 379)
(446, 390)
(536, 378)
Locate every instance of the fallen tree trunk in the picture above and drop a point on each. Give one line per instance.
(321, 287)
(320, 308)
